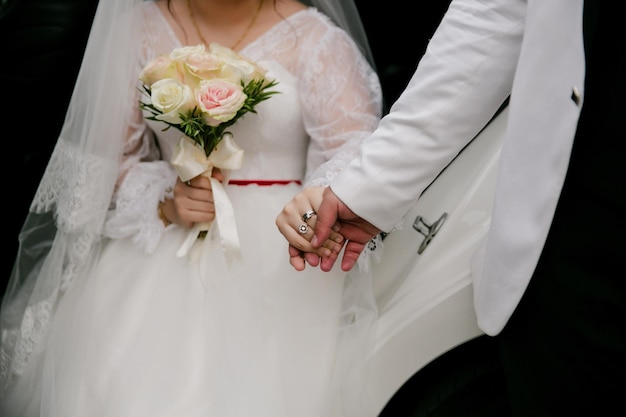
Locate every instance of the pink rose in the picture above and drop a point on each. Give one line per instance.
(219, 100)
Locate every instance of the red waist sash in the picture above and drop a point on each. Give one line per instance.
(263, 182)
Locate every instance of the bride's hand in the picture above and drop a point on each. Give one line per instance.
(193, 201)
(297, 221)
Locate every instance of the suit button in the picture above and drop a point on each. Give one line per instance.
(576, 95)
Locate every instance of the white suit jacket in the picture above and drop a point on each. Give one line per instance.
(482, 52)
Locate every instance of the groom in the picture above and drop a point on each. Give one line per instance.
(544, 279)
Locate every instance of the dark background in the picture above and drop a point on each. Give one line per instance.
(42, 42)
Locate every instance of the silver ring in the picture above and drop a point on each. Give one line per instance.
(303, 228)
(306, 216)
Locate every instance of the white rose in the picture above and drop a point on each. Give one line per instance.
(172, 98)
(180, 54)
(235, 67)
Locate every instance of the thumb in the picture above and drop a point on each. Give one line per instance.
(326, 218)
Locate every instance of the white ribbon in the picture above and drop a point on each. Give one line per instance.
(190, 160)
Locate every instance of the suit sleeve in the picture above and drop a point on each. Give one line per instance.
(462, 79)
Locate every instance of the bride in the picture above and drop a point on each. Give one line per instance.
(103, 318)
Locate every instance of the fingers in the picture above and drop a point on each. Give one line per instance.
(299, 259)
(299, 234)
(297, 220)
(326, 264)
(325, 255)
(326, 218)
(349, 259)
(200, 182)
(358, 234)
(193, 201)
(357, 231)
(289, 228)
(312, 259)
(218, 174)
(334, 242)
(296, 259)
(351, 254)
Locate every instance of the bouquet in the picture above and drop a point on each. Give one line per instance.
(201, 93)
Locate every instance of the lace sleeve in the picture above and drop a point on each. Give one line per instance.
(342, 99)
(144, 180)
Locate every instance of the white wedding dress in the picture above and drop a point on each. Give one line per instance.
(150, 334)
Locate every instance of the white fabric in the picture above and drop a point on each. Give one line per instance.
(482, 52)
(103, 319)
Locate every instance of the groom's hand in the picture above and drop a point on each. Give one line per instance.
(334, 215)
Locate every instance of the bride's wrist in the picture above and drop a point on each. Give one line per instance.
(161, 214)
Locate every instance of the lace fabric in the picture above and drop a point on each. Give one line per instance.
(134, 215)
(71, 185)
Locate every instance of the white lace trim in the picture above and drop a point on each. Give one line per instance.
(373, 251)
(135, 211)
(78, 184)
(23, 341)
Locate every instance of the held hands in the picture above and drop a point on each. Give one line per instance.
(334, 215)
(334, 225)
(297, 221)
(193, 201)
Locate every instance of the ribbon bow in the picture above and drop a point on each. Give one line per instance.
(190, 160)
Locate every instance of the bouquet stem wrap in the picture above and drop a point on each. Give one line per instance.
(189, 160)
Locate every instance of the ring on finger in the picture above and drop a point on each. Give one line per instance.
(306, 216)
(303, 228)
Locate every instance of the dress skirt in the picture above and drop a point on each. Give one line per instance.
(151, 335)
